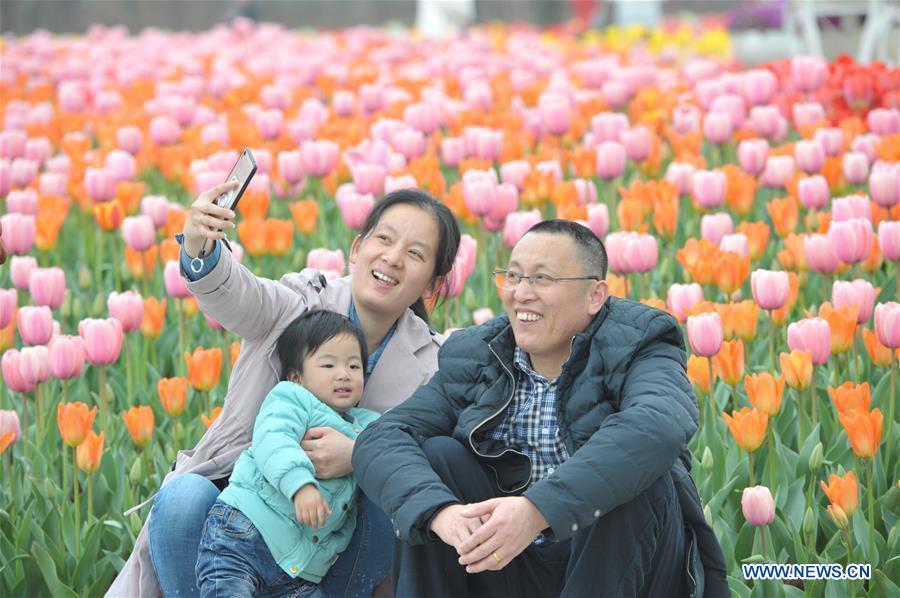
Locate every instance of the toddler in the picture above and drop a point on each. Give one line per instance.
(276, 529)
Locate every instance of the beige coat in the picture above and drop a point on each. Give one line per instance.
(257, 310)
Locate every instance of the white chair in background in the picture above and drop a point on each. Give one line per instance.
(881, 17)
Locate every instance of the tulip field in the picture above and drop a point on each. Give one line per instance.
(759, 206)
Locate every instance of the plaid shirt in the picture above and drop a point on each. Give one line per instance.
(530, 424)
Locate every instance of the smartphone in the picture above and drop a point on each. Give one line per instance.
(242, 171)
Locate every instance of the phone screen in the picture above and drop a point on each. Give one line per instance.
(242, 172)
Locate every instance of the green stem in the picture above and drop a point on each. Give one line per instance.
(848, 540)
(38, 416)
(104, 416)
(771, 341)
(147, 473)
(128, 384)
(801, 412)
(712, 395)
(871, 489)
(815, 398)
(771, 433)
(77, 507)
(180, 359)
(751, 476)
(890, 427)
(856, 366)
(117, 283)
(762, 540)
(90, 498)
(65, 469)
(734, 398)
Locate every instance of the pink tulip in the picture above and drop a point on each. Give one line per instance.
(393, 183)
(23, 201)
(34, 364)
(765, 120)
(859, 294)
(856, 167)
(9, 298)
(22, 172)
(270, 123)
(264, 163)
(517, 224)
(53, 183)
(770, 289)
(343, 102)
(482, 142)
(779, 171)
(820, 254)
(164, 130)
(157, 208)
(884, 186)
(705, 333)
(884, 121)
(100, 184)
(355, 208)
(586, 191)
(325, 259)
(290, 166)
(718, 127)
(276, 96)
(888, 239)
(102, 339)
(12, 375)
(556, 114)
(598, 219)
(20, 269)
(607, 126)
(759, 86)
(515, 172)
(813, 192)
(752, 155)
(809, 156)
(642, 252)
(423, 117)
(735, 243)
(12, 144)
(831, 139)
(636, 142)
(369, 178)
(680, 298)
(175, 286)
(47, 286)
(130, 139)
(807, 114)
(506, 201)
(849, 207)
(121, 165)
(611, 159)
(409, 142)
(9, 422)
(482, 315)
(35, 324)
(216, 133)
(127, 308)
(686, 118)
(467, 252)
(139, 232)
(715, 226)
(479, 191)
(615, 93)
(452, 150)
(18, 233)
(67, 355)
(866, 144)
(887, 324)
(852, 239)
(758, 506)
(682, 174)
(813, 335)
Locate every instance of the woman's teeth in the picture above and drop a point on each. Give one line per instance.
(523, 316)
(385, 278)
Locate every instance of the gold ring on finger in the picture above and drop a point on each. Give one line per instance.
(496, 557)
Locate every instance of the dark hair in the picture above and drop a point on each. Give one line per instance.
(590, 248)
(307, 333)
(448, 233)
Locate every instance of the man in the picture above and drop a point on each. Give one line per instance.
(547, 455)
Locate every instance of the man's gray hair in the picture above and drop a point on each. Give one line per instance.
(590, 248)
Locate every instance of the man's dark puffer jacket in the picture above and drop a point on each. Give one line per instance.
(626, 413)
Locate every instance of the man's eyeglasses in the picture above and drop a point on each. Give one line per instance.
(510, 279)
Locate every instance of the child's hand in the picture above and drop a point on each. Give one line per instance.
(310, 508)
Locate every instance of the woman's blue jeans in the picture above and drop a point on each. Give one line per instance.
(176, 526)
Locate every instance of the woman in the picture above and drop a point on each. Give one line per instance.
(406, 248)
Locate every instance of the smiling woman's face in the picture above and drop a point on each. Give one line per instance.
(394, 263)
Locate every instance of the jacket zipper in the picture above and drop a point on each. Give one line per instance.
(495, 414)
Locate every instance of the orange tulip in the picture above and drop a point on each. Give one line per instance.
(698, 372)
(784, 214)
(208, 421)
(748, 426)
(8, 334)
(631, 215)
(797, 368)
(189, 307)
(169, 250)
(731, 271)
(109, 214)
(878, 353)
(204, 368)
(154, 317)
(172, 395)
(141, 263)
(175, 222)
(875, 260)
(665, 217)
(741, 189)
(129, 194)
(306, 215)
(843, 492)
(235, 352)
(139, 421)
(745, 315)
(793, 256)
(6, 440)
(849, 396)
(90, 452)
(698, 257)
(729, 362)
(74, 421)
(47, 232)
(254, 204)
(616, 285)
(252, 234)
(765, 392)
(757, 234)
(703, 307)
(657, 303)
(279, 236)
(842, 323)
(864, 431)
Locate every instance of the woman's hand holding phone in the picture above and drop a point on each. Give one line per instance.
(207, 220)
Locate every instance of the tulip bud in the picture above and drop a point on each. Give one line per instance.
(84, 277)
(893, 535)
(65, 310)
(816, 457)
(98, 307)
(707, 462)
(838, 515)
(470, 301)
(136, 475)
(809, 522)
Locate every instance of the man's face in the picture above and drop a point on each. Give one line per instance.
(544, 320)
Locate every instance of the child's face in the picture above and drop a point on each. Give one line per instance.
(334, 373)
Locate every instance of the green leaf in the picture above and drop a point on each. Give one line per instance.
(883, 586)
(89, 547)
(48, 570)
(716, 502)
(739, 589)
(802, 468)
(743, 546)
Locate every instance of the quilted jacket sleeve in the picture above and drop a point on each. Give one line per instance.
(388, 461)
(634, 446)
(281, 423)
